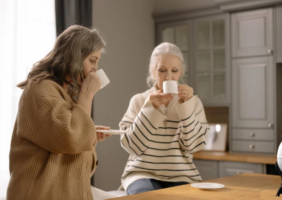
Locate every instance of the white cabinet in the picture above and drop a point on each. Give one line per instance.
(211, 66)
(278, 34)
(234, 168)
(208, 169)
(205, 44)
(211, 169)
(178, 33)
(253, 92)
(252, 33)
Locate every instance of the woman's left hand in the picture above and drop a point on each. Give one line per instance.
(100, 135)
(185, 93)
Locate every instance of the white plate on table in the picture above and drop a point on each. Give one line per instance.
(112, 132)
(207, 186)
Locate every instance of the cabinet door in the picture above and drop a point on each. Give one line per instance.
(278, 34)
(208, 169)
(234, 168)
(253, 92)
(179, 34)
(252, 33)
(211, 69)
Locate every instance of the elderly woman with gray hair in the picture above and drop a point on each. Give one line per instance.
(162, 131)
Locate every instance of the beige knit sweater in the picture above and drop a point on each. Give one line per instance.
(161, 142)
(52, 154)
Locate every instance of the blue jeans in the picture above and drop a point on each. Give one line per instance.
(146, 185)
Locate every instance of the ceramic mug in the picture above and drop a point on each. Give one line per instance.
(103, 78)
(170, 87)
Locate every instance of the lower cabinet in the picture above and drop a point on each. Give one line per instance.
(210, 169)
(234, 168)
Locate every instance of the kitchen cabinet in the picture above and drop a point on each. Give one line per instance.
(253, 93)
(252, 33)
(178, 33)
(211, 59)
(212, 169)
(234, 168)
(208, 169)
(205, 45)
(278, 34)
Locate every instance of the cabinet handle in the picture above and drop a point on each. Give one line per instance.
(252, 134)
(270, 125)
(270, 51)
(252, 146)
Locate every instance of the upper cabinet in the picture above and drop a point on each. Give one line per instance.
(180, 34)
(211, 59)
(205, 45)
(279, 34)
(252, 33)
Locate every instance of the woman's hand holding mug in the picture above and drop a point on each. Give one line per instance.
(185, 93)
(159, 98)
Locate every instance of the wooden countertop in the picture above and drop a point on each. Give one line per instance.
(243, 186)
(226, 156)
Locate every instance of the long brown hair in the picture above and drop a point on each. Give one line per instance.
(66, 58)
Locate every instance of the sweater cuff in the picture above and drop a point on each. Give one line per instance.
(187, 108)
(155, 116)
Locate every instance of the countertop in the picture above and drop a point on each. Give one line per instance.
(226, 156)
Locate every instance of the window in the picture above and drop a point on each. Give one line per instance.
(27, 34)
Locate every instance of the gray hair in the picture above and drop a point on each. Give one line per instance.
(162, 49)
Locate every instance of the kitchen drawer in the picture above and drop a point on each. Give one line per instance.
(234, 168)
(253, 146)
(253, 134)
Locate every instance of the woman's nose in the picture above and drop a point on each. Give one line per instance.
(168, 76)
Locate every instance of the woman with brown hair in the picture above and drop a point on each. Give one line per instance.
(52, 152)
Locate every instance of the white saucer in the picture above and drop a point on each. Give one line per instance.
(112, 132)
(207, 186)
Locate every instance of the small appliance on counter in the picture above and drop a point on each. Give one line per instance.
(278, 166)
(216, 138)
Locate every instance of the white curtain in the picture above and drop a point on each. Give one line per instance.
(27, 34)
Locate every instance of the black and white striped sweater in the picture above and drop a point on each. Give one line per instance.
(161, 142)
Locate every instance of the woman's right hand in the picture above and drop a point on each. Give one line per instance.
(91, 84)
(159, 98)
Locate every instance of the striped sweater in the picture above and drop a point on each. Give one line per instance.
(161, 142)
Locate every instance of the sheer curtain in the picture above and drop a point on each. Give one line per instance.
(27, 34)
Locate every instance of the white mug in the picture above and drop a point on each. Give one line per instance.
(170, 87)
(103, 78)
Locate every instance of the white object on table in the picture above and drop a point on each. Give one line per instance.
(207, 186)
(112, 132)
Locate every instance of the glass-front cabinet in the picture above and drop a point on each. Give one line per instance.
(204, 43)
(179, 34)
(211, 53)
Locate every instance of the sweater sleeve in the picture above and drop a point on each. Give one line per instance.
(62, 127)
(194, 125)
(140, 126)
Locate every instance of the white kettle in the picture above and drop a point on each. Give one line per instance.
(279, 157)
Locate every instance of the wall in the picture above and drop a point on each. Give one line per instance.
(129, 32)
(174, 6)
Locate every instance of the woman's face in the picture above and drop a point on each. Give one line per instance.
(168, 68)
(90, 64)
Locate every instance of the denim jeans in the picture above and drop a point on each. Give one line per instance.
(146, 185)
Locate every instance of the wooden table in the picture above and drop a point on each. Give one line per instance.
(246, 186)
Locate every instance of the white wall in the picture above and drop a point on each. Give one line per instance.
(129, 32)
